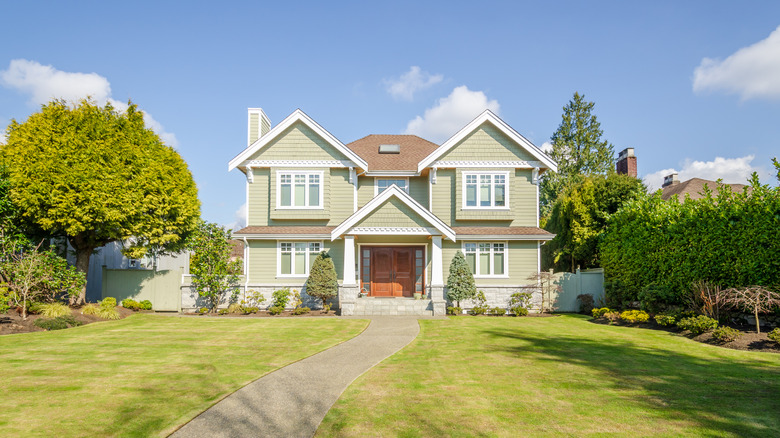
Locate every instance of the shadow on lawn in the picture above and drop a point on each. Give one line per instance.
(740, 396)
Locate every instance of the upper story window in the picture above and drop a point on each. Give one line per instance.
(383, 183)
(295, 258)
(486, 259)
(299, 190)
(485, 190)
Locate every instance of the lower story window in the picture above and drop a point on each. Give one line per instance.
(486, 259)
(295, 258)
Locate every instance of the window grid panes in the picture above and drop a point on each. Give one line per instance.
(485, 259)
(485, 190)
(300, 190)
(296, 258)
(383, 183)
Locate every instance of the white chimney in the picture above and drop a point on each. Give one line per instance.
(670, 180)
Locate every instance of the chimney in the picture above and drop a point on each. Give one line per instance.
(670, 180)
(258, 125)
(626, 163)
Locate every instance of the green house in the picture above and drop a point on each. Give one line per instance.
(392, 211)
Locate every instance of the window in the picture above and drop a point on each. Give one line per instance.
(299, 190)
(295, 258)
(486, 259)
(383, 183)
(485, 190)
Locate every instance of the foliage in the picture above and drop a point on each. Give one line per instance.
(454, 310)
(519, 302)
(726, 334)
(234, 308)
(5, 298)
(586, 302)
(276, 310)
(131, 304)
(280, 298)
(90, 309)
(774, 335)
(698, 324)
(579, 218)
(57, 323)
(665, 320)
(213, 273)
(53, 310)
(203, 310)
(106, 309)
(322, 282)
(497, 311)
(14, 235)
(726, 238)
(108, 302)
(655, 297)
(97, 175)
(612, 316)
(296, 299)
(480, 304)
(146, 305)
(754, 299)
(301, 310)
(578, 149)
(460, 282)
(707, 298)
(634, 316)
(29, 276)
(599, 313)
(252, 300)
(326, 308)
(547, 286)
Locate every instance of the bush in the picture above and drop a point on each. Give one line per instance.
(90, 309)
(774, 335)
(326, 308)
(612, 316)
(479, 310)
(108, 302)
(323, 281)
(234, 308)
(5, 299)
(498, 311)
(203, 310)
(276, 310)
(131, 304)
(481, 304)
(301, 310)
(634, 316)
(520, 311)
(34, 308)
(460, 281)
(726, 334)
(665, 320)
(599, 313)
(519, 303)
(58, 323)
(280, 298)
(53, 310)
(250, 309)
(223, 312)
(697, 325)
(654, 297)
(105, 310)
(454, 310)
(146, 305)
(586, 302)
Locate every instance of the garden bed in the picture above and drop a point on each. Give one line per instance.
(260, 314)
(12, 321)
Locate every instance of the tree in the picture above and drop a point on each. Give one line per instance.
(322, 282)
(547, 286)
(755, 299)
(578, 149)
(579, 218)
(213, 273)
(97, 175)
(460, 282)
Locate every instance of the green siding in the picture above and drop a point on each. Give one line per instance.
(418, 189)
(259, 198)
(393, 213)
(365, 190)
(263, 260)
(487, 143)
(337, 200)
(342, 196)
(254, 127)
(321, 214)
(444, 196)
(265, 126)
(298, 142)
(522, 262)
(522, 201)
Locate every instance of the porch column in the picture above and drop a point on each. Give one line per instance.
(437, 277)
(349, 261)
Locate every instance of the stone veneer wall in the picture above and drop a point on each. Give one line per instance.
(191, 301)
(498, 296)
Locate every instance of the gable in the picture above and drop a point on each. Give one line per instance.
(395, 213)
(487, 141)
(298, 142)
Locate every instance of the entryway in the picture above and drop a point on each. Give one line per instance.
(392, 271)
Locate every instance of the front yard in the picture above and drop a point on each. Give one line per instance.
(562, 376)
(146, 374)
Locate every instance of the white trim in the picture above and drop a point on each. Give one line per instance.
(491, 253)
(392, 173)
(297, 163)
(377, 178)
(293, 174)
(353, 179)
(296, 116)
(393, 190)
(250, 174)
(246, 266)
(437, 263)
(537, 204)
(282, 236)
(488, 164)
(533, 237)
(488, 116)
(307, 262)
(465, 174)
(349, 261)
(395, 231)
(539, 257)
(246, 204)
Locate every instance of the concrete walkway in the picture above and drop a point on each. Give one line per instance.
(292, 401)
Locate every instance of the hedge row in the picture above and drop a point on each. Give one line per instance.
(730, 239)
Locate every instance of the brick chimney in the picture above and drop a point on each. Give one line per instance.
(670, 180)
(626, 163)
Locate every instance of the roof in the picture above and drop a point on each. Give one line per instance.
(519, 233)
(413, 150)
(236, 249)
(694, 188)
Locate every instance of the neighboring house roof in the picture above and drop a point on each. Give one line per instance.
(236, 249)
(296, 116)
(488, 116)
(380, 199)
(513, 233)
(284, 231)
(412, 150)
(694, 188)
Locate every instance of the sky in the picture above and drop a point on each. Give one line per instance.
(693, 86)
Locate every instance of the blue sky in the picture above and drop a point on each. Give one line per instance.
(693, 86)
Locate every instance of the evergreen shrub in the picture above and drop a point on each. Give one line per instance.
(322, 282)
(726, 334)
(697, 325)
(774, 335)
(460, 282)
(634, 316)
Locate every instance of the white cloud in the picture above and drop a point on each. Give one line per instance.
(450, 114)
(547, 147)
(240, 219)
(751, 72)
(44, 83)
(730, 170)
(411, 82)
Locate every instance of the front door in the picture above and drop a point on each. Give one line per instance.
(391, 271)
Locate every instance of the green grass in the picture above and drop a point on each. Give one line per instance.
(563, 376)
(147, 374)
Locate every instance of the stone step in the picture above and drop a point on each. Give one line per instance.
(393, 307)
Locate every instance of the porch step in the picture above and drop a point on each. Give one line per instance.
(393, 307)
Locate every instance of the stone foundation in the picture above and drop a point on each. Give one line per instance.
(498, 296)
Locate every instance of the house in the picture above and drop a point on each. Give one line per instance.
(693, 187)
(391, 210)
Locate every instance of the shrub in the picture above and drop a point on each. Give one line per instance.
(280, 298)
(665, 320)
(599, 313)
(58, 323)
(323, 281)
(479, 310)
(108, 302)
(223, 312)
(326, 308)
(586, 302)
(726, 334)
(253, 298)
(131, 304)
(296, 299)
(34, 308)
(276, 310)
(203, 310)
(146, 305)
(5, 299)
(90, 309)
(634, 316)
(53, 310)
(460, 281)
(697, 325)
(481, 304)
(250, 309)
(498, 311)
(214, 274)
(234, 308)
(454, 310)
(774, 335)
(519, 302)
(520, 311)
(612, 316)
(654, 297)
(708, 298)
(105, 310)
(301, 310)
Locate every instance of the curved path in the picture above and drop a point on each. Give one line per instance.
(293, 400)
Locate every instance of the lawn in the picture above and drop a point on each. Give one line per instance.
(147, 374)
(562, 376)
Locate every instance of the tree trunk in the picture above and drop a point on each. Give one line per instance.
(758, 324)
(83, 254)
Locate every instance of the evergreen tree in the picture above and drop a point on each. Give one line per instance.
(322, 282)
(578, 149)
(460, 283)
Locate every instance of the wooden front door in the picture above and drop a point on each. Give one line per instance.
(392, 271)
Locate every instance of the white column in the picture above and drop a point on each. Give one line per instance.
(349, 261)
(437, 277)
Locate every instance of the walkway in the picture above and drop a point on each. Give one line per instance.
(292, 401)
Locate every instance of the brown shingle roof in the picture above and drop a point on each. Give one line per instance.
(413, 150)
(498, 231)
(284, 230)
(236, 249)
(694, 187)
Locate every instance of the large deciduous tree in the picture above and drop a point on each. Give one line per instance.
(97, 175)
(578, 149)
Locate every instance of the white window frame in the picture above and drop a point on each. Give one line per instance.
(492, 206)
(492, 252)
(293, 173)
(308, 257)
(377, 179)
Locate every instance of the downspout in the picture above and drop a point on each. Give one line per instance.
(246, 266)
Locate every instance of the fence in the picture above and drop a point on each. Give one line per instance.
(588, 281)
(161, 287)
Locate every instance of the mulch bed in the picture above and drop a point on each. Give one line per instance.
(12, 321)
(261, 314)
